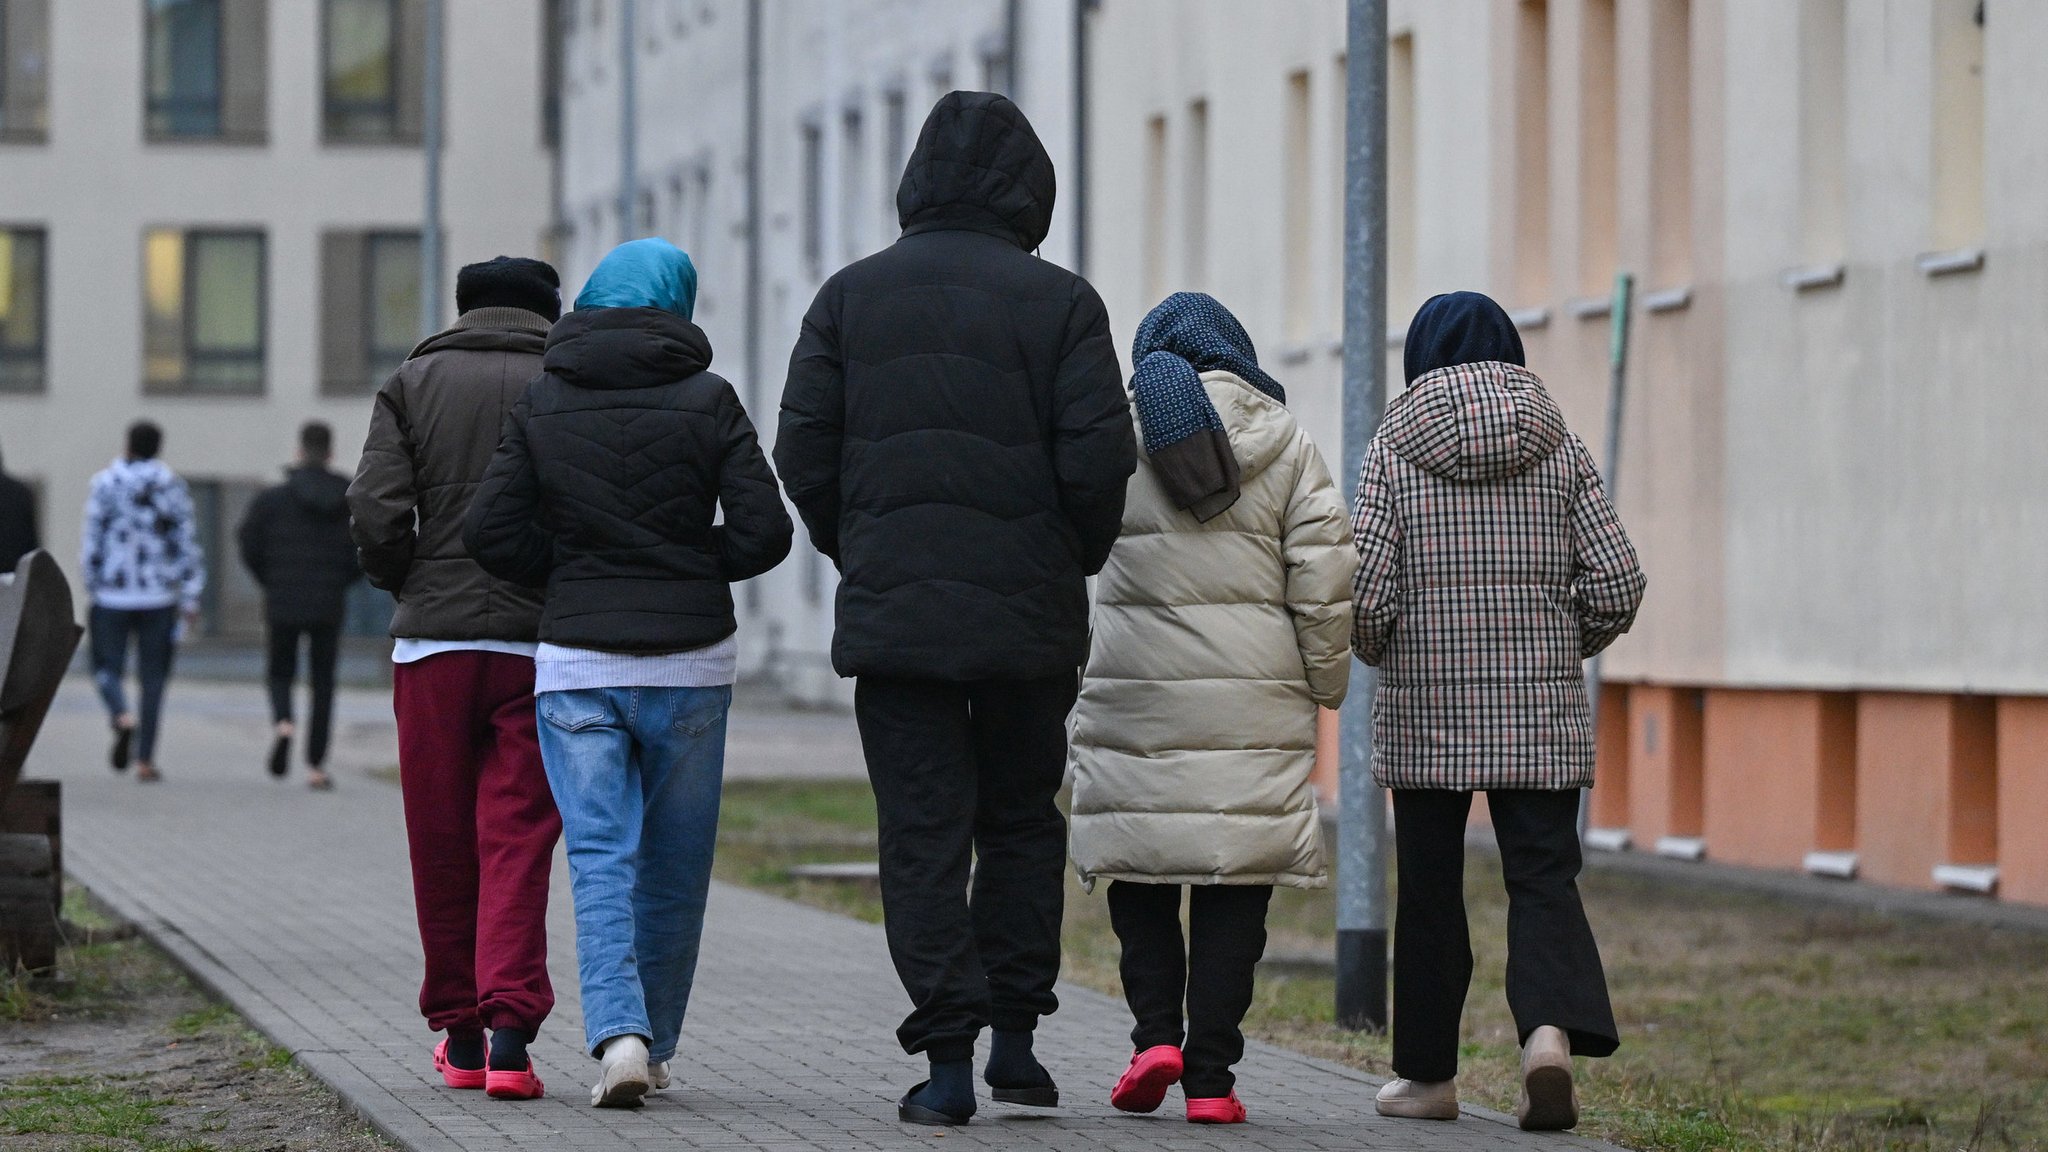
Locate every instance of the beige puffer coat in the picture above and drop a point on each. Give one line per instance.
(1213, 644)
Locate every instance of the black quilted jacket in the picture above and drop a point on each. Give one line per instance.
(955, 430)
(608, 479)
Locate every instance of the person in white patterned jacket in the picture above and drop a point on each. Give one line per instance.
(1491, 566)
(144, 572)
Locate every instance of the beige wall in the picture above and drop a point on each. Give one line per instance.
(96, 187)
(1837, 487)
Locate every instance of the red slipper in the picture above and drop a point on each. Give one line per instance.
(513, 1085)
(1143, 1085)
(451, 1075)
(1216, 1110)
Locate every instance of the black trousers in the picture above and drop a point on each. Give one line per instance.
(1212, 973)
(965, 776)
(1554, 974)
(281, 668)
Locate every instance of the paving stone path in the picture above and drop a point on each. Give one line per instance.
(297, 909)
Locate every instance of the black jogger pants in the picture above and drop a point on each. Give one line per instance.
(281, 667)
(1554, 974)
(1212, 973)
(965, 776)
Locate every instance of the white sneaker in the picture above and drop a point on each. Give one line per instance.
(1418, 1099)
(657, 1075)
(623, 1080)
(1548, 1102)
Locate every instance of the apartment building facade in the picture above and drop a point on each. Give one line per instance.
(210, 216)
(1830, 457)
(767, 139)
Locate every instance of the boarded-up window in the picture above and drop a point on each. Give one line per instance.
(203, 318)
(369, 308)
(24, 70)
(373, 70)
(205, 70)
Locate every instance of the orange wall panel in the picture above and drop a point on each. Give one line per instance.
(1610, 758)
(1664, 782)
(2023, 799)
(1920, 770)
(1761, 768)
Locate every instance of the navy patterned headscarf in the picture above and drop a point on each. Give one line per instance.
(1188, 334)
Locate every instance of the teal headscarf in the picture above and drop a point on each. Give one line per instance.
(650, 273)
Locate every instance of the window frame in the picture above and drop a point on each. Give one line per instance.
(374, 356)
(188, 313)
(38, 353)
(393, 100)
(152, 104)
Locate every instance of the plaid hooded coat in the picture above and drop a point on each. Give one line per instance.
(1491, 565)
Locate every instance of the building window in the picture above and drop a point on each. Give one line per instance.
(1532, 152)
(554, 31)
(22, 263)
(995, 71)
(895, 155)
(203, 327)
(24, 79)
(1671, 143)
(369, 306)
(1195, 190)
(814, 201)
(1402, 180)
(372, 70)
(1823, 130)
(206, 67)
(1599, 179)
(1152, 240)
(853, 159)
(1296, 233)
(1958, 123)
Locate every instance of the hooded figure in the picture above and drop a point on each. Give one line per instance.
(18, 536)
(607, 491)
(1221, 623)
(1492, 565)
(956, 436)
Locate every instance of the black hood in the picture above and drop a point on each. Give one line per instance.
(323, 493)
(617, 348)
(978, 165)
(1459, 328)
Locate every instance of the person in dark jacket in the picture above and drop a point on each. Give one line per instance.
(295, 542)
(18, 535)
(479, 817)
(956, 436)
(606, 490)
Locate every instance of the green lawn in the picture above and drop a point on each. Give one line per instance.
(1748, 1023)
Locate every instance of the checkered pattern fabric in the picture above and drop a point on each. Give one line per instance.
(1491, 565)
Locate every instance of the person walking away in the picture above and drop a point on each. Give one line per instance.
(295, 541)
(144, 572)
(18, 536)
(956, 436)
(606, 491)
(1222, 622)
(1492, 565)
(479, 818)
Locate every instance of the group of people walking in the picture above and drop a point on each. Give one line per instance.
(561, 503)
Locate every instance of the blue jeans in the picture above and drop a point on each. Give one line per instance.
(155, 631)
(636, 773)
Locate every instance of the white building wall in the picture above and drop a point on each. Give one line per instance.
(96, 187)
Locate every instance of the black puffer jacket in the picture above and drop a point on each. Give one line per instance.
(608, 478)
(295, 541)
(954, 429)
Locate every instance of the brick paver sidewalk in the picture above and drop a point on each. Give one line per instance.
(297, 908)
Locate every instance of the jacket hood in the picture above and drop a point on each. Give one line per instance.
(650, 273)
(620, 348)
(1259, 426)
(318, 490)
(1475, 422)
(490, 330)
(979, 166)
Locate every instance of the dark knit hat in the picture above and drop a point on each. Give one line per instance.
(510, 282)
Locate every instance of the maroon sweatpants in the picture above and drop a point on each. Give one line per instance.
(482, 826)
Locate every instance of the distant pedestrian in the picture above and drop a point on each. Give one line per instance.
(956, 435)
(478, 815)
(1492, 566)
(18, 536)
(1222, 621)
(295, 542)
(144, 572)
(607, 491)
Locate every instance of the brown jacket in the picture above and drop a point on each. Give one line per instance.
(432, 434)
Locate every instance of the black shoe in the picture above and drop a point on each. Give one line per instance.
(913, 1113)
(946, 1099)
(1014, 1075)
(280, 756)
(124, 747)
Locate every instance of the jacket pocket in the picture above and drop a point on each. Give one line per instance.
(699, 710)
(580, 712)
